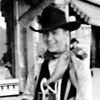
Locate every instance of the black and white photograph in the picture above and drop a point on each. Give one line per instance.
(49, 49)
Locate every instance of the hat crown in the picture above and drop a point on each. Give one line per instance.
(52, 16)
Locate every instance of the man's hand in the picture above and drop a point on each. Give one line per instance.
(80, 52)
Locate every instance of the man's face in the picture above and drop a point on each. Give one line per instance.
(56, 40)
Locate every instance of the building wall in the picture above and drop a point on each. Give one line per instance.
(3, 38)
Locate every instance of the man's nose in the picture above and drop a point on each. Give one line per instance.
(50, 36)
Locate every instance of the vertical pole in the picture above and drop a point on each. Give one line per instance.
(20, 66)
(67, 18)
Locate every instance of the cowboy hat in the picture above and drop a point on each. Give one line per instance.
(52, 18)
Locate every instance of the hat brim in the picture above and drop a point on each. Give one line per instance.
(71, 26)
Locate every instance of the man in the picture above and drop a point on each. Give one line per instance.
(77, 50)
(55, 68)
(83, 72)
(79, 53)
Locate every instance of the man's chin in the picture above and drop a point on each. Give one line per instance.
(52, 50)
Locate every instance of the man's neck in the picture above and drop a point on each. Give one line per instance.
(57, 55)
(53, 55)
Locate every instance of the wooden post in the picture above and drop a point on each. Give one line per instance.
(20, 52)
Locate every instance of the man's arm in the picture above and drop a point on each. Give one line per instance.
(73, 76)
(73, 70)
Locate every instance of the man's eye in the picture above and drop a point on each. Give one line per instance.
(46, 33)
(54, 33)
